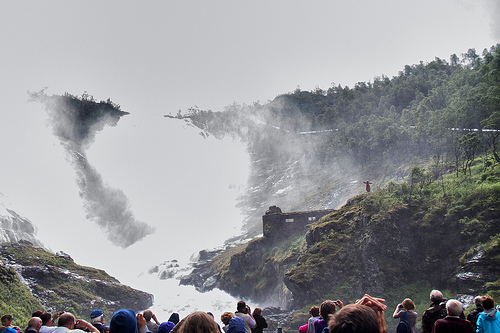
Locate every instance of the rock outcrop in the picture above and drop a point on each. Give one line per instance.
(14, 227)
(58, 283)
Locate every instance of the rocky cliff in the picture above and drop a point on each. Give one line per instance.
(56, 282)
(383, 243)
(430, 221)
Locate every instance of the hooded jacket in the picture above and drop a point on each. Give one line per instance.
(174, 318)
(236, 325)
(488, 321)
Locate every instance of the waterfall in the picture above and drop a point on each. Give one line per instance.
(182, 185)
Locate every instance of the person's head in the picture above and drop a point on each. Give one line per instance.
(314, 311)
(67, 320)
(123, 321)
(97, 316)
(6, 320)
(436, 297)
(486, 301)
(166, 327)
(241, 306)
(327, 308)
(454, 307)
(198, 322)
(257, 312)
(35, 322)
(477, 301)
(226, 317)
(46, 319)
(148, 314)
(174, 318)
(408, 304)
(37, 313)
(354, 318)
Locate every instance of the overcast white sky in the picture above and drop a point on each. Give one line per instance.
(156, 57)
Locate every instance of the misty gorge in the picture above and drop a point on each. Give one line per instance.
(426, 139)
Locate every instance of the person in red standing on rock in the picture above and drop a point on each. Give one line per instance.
(367, 185)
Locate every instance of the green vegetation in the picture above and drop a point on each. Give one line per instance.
(56, 282)
(438, 116)
(427, 232)
(266, 278)
(15, 298)
(27, 255)
(427, 237)
(400, 241)
(428, 140)
(387, 122)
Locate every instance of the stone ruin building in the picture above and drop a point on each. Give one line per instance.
(275, 223)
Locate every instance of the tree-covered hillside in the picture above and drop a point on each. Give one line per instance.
(400, 241)
(375, 130)
(427, 139)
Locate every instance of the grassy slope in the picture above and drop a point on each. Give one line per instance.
(15, 298)
(58, 283)
(400, 241)
(396, 245)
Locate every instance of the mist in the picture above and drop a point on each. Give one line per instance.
(288, 163)
(75, 123)
(184, 185)
(182, 190)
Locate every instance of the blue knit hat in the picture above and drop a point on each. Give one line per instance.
(123, 321)
(166, 327)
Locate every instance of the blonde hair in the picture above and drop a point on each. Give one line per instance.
(226, 317)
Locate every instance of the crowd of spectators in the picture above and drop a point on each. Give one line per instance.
(366, 315)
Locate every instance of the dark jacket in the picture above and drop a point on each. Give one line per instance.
(102, 328)
(430, 316)
(473, 315)
(261, 324)
(452, 325)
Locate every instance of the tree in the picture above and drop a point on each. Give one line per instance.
(491, 126)
(469, 145)
(471, 58)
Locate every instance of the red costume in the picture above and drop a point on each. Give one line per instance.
(367, 185)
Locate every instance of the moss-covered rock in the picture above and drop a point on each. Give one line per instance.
(379, 243)
(55, 281)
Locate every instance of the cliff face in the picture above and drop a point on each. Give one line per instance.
(56, 282)
(429, 222)
(379, 244)
(352, 250)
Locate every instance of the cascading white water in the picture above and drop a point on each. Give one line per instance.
(183, 185)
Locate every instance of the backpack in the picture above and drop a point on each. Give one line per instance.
(474, 319)
(404, 325)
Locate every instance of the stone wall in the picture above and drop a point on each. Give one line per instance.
(278, 224)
